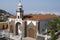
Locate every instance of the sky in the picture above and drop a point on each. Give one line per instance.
(32, 6)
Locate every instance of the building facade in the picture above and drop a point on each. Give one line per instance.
(28, 25)
(24, 27)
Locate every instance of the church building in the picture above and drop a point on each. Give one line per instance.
(28, 25)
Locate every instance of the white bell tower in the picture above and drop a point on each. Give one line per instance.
(19, 12)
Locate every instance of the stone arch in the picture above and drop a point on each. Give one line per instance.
(16, 28)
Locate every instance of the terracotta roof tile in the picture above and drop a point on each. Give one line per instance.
(39, 16)
(13, 17)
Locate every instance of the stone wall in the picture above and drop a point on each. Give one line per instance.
(40, 38)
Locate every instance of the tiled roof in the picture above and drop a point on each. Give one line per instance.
(39, 16)
(13, 17)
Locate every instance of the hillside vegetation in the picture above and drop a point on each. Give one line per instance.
(4, 15)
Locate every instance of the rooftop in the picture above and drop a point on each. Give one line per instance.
(37, 16)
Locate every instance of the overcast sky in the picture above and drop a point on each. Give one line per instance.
(32, 6)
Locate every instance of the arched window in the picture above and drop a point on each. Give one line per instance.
(18, 17)
(3, 27)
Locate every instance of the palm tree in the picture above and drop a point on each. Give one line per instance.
(53, 25)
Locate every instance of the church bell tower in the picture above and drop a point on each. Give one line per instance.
(19, 12)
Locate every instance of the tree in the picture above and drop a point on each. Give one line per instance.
(43, 29)
(53, 25)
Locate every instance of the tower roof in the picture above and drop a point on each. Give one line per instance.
(19, 4)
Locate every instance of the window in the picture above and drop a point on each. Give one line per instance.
(18, 17)
(3, 27)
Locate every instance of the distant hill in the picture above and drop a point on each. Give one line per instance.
(4, 15)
